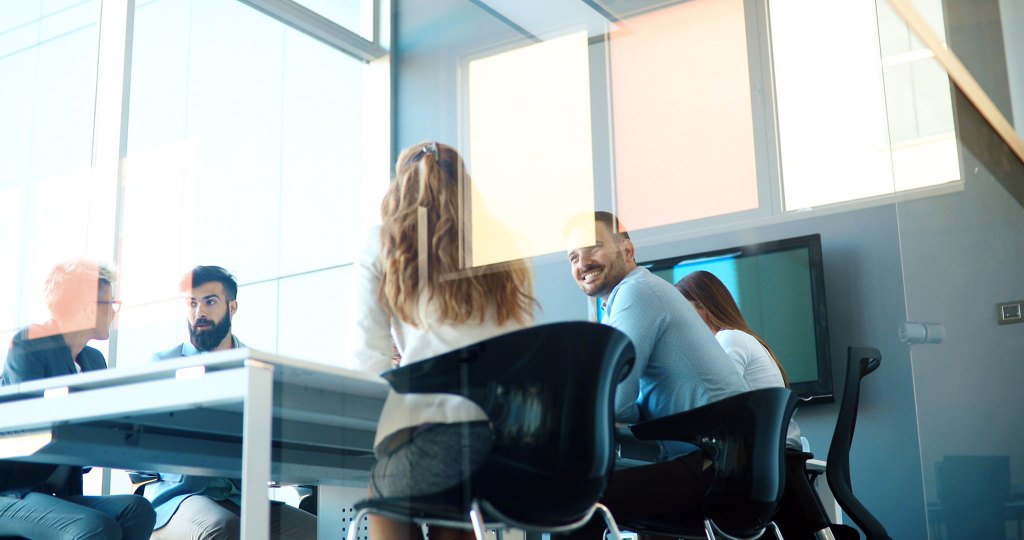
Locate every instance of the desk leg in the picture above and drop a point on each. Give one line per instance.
(256, 426)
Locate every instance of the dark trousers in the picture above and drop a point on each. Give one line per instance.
(661, 489)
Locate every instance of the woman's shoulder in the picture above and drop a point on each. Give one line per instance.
(729, 335)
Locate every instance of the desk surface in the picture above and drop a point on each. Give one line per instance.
(185, 415)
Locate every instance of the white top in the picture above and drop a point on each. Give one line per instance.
(373, 328)
(759, 369)
(755, 362)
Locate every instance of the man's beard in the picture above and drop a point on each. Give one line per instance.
(208, 339)
(615, 272)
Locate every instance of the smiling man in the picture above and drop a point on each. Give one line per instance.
(679, 366)
(203, 507)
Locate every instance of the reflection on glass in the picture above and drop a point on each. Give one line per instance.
(843, 102)
(1012, 15)
(972, 480)
(530, 151)
(244, 151)
(918, 103)
(48, 54)
(681, 106)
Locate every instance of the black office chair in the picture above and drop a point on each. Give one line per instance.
(548, 392)
(745, 437)
(802, 515)
(860, 362)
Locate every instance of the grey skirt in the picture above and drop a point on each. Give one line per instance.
(436, 457)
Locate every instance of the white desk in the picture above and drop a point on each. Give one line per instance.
(239, 413)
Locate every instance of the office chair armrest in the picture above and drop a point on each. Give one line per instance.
(688, 426)
(733, 414)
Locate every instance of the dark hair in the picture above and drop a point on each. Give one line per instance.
(612, 222)
(608, 219)
(202, 275)
(706, 289)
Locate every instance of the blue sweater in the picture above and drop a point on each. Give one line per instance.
(679, 364)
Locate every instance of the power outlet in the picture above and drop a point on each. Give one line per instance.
(1010, 312)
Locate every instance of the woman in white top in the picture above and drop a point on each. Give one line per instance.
(428, 302)
(716, 306)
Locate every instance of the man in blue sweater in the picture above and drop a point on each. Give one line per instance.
(679, 366)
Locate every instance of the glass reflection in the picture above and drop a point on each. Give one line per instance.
(48, 59)
(682, 114)
(971, 451)
(526, 179)
(245, 150)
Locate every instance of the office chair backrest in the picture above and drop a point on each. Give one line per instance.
(745, 436)
(548, 392)
(860, 362)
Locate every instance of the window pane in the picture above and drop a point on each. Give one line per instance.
(245, 150)
(48, 53)
(313, 315)
(530, 147)
(831, 109)
(684, 134)
(873, 113)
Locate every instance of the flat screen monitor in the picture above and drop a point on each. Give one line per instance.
(780, 289)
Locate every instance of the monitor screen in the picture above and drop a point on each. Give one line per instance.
(780, 289)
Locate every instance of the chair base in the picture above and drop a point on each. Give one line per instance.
(710, 531)
(474, 520)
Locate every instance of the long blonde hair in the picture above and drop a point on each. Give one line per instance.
(426, 207)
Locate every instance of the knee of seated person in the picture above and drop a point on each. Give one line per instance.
(138, 514)
(138, 506)
(95, 527)
(226, 528)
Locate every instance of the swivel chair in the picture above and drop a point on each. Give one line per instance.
(745, 436)
(861, 361)
(802, 515)
(548, 392)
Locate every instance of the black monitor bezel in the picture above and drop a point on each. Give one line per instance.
(821, 390)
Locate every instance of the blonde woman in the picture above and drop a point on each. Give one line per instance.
(413, 285)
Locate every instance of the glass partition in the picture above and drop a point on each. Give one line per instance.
(718, 123)
(961, 253)
(48, 63)
(705, 125)
(245, 148)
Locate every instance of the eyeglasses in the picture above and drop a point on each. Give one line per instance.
(114, 304)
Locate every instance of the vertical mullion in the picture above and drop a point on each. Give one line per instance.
(110, 132)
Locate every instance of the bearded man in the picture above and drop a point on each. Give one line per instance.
(679, 366)
(197, 506)
(210, 297)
